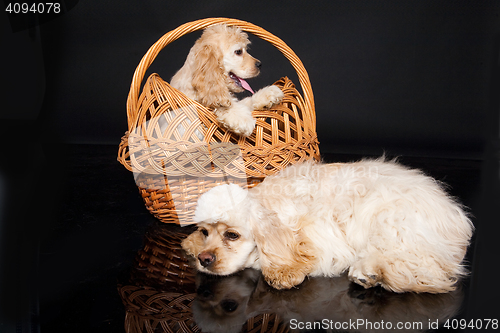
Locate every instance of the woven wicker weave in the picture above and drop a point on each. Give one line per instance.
(162, 287)
(162, 263)
(151, 311)
(176, 164)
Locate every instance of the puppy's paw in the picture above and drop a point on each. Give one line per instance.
(267, 97)
(364, 273)
(283, 278)
(238, 120)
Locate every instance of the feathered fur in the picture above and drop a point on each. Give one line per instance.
(214, 70)
(379, 221)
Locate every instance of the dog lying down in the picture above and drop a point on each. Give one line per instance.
(379, 221)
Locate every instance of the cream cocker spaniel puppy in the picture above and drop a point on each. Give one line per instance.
(381, 222)
(216, 67)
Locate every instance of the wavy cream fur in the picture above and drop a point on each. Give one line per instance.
(205, 77)
(381, 222)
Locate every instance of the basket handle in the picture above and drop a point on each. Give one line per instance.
(189, 27)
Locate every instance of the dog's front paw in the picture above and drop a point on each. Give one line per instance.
(283, 278)
(364, 273)
(238, 120)
(267, 97)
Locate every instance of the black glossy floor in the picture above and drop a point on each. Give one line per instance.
(102, 268)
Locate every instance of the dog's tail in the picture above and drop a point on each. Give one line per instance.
(403, 276)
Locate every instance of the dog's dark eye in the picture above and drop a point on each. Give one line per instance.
(238, 52)
(204, 232)
(231, 235)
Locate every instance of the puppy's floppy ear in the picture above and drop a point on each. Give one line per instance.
(208, 78)
(286, 256)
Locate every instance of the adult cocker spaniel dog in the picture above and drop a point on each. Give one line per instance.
(381, 222)
(216, 68)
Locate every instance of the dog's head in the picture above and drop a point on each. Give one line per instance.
(224, 242)
(236, 231)
(220, 64)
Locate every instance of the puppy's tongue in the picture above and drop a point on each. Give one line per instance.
(244, 84)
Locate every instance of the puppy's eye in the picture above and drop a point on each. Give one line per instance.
(238, 52)
(231, 235)
(204, 232)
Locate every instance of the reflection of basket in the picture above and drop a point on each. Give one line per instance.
(161, 263)
(193, 146)
(153, 311)
(162, 285)
(150, 310)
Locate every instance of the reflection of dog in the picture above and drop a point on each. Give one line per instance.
(224, 304)
(221, 303)
(216, 68)
(386, 224)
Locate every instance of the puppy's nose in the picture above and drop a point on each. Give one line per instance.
(206, 258)
(258, 64)
(229, 305)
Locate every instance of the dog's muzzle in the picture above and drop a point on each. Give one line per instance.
(206, 258)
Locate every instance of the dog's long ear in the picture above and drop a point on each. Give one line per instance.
(208, 78)
(286, 256)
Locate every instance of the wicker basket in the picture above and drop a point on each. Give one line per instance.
(173, 166)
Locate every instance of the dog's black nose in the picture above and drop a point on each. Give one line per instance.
(258, 64)
(206, 258)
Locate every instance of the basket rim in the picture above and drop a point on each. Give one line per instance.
(189, 27)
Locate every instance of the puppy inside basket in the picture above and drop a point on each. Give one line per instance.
(216, 68)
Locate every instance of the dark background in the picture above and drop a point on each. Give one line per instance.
(404, 76)
(408, 78)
